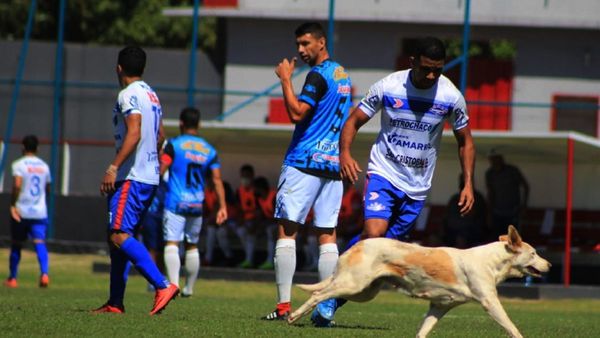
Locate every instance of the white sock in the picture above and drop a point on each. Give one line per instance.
(211, 239)
(192, 267)
(285, 266)
(172, 263)
(328, 257)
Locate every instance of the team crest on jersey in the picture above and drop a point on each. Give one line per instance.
(197, 146)
(439, 109)
(397, 103)
(133, 101)
(372, 99)
(339, 74)
(375, 206)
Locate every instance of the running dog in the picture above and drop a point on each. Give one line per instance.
(447, 277)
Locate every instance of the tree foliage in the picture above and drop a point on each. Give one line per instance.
(115, 22)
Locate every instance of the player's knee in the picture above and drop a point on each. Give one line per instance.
(117, 238)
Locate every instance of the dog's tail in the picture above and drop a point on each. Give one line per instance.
(315, 287)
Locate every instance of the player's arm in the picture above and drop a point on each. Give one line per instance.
(16, 190)
(220, 190)
(297, 109)
(466, 154)
(349, 168)
(166, 158)
(132, 138)
(161, 136)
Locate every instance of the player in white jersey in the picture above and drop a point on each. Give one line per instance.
(131, 181)
(29, 215)
(414, 105)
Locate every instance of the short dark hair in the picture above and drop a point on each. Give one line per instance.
(190, 117)
(30, 143)
(132, 60)
(313, 28)
(430, 47)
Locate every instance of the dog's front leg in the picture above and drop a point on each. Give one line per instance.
(494, 308)
(436, 311)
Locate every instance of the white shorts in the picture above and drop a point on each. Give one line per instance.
(297, 192)
(176, 226)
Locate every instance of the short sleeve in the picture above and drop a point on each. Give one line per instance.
(214, 162)
(373, 100)
(168, 153)
(17, 169)
(129, 103)
(314, 89)
(459, 117)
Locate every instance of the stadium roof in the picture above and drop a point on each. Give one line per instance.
(537, 147)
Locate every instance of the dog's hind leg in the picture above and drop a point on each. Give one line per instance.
(494, 308)
(330, 291)
(435, 313)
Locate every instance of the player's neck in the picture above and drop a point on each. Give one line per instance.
(321, 58)
(29, 153)
(189, 132)
(127, 80)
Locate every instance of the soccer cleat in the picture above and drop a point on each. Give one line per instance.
(186, 293)
(323, 314)
(44, 281)
(163, 297)
(107, 308)
(277, 315)
(11, 283)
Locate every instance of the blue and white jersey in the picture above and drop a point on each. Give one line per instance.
(142, 165)
(412, 122)
(315, 144)
(35, 175)
(191, 158)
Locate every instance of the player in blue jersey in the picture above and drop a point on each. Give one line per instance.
(28, 212)
(189, 160)
(414, 103)
(310, 174)
(131, 179)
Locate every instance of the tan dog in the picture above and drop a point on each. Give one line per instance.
(447, 277)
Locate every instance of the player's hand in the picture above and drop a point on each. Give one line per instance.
(221, 216)
(285, 68)
(466, 200)
(108, 182)
(349, 168)
(14, 213)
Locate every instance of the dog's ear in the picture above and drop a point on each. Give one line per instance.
(514, 239)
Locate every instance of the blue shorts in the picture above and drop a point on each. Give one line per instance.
(152, 232)
(385, 201)
(35, 228)
(128, 204)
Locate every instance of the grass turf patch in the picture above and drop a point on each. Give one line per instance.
(232, 309)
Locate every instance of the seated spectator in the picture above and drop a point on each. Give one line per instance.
(265, 221)
(218, 234)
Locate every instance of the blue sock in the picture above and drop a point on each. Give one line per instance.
(15, 257)
(142, 261)
(42, 255)
(119, 271)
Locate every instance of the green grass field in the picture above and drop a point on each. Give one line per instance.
(232, 309)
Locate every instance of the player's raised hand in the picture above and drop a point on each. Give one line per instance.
(349, 168)
(285, 68)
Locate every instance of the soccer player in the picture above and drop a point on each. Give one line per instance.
(131, 179)
(152, 229)
(310, 174)
(415, 103)
(28, 212)
(188, 157)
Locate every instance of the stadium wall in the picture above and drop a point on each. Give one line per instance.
(88, 103)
